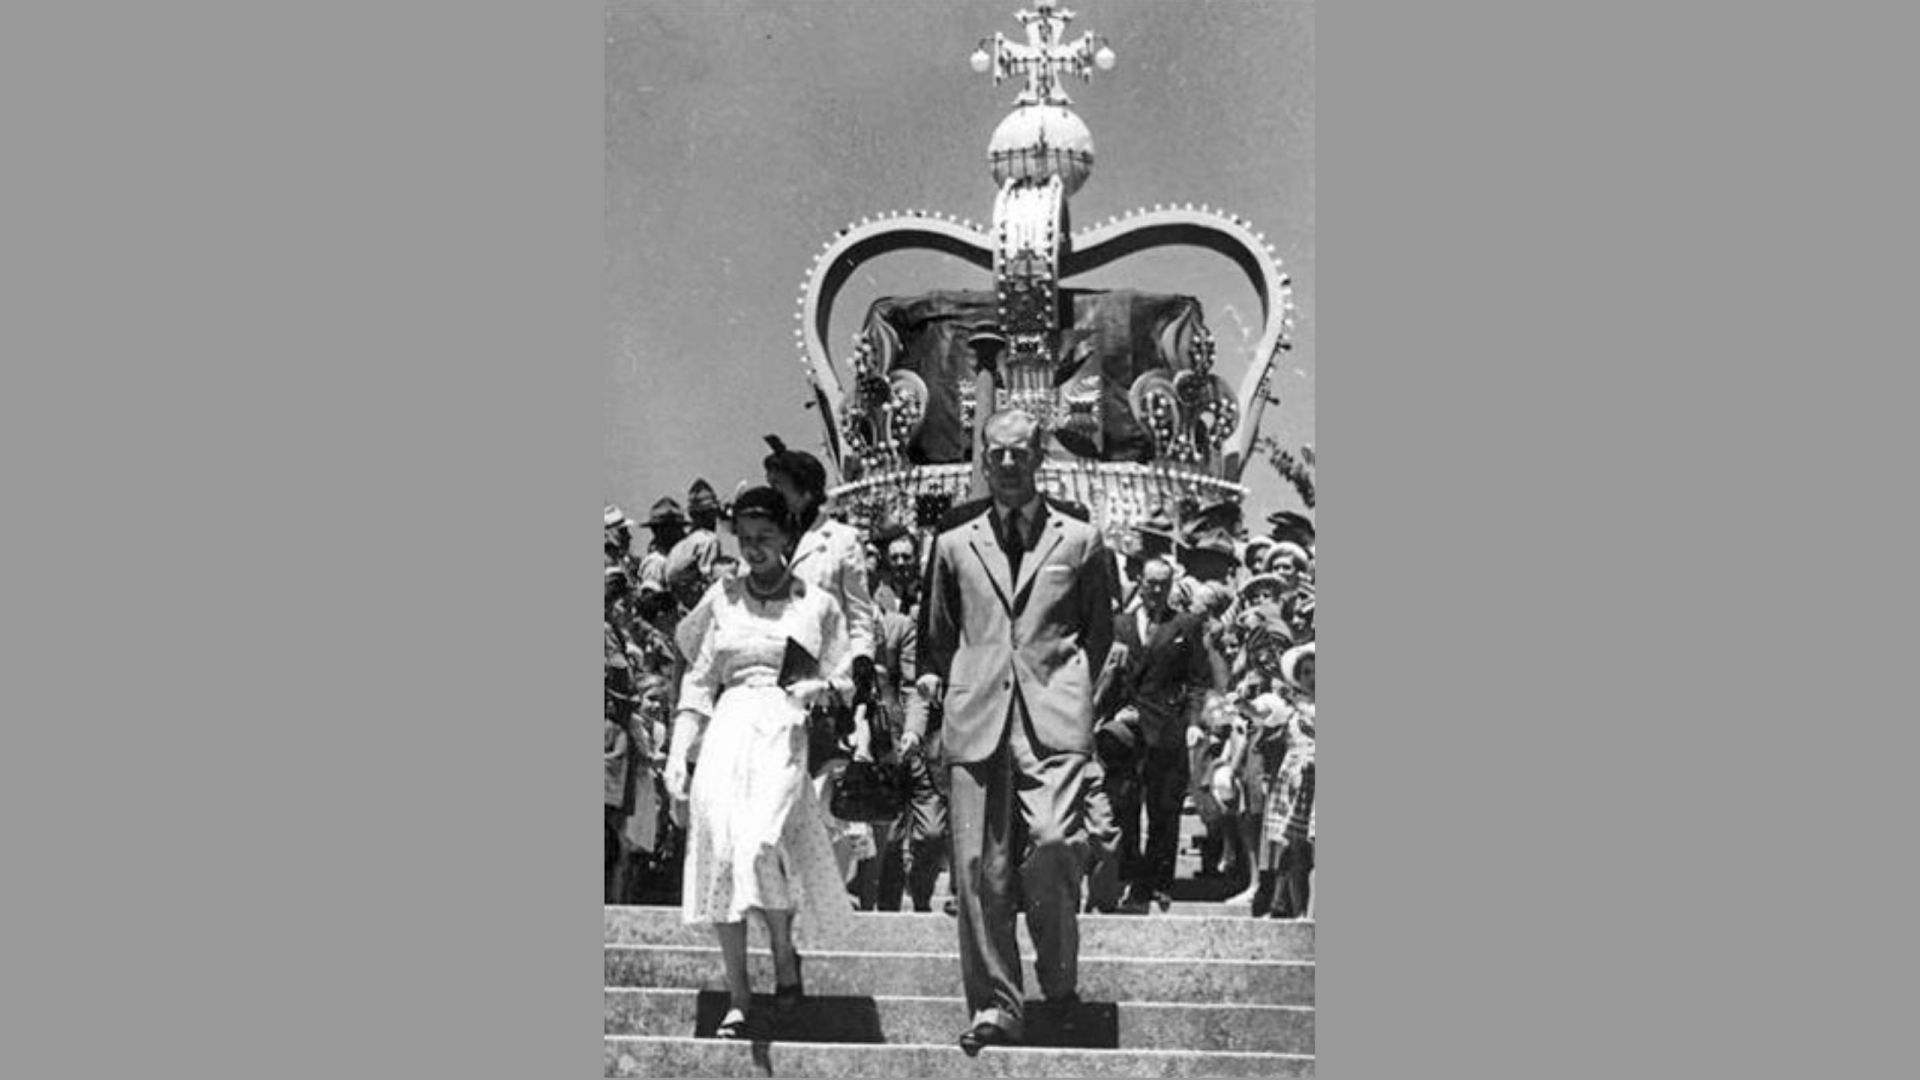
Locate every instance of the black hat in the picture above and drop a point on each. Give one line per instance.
(1207, 547)
(762, 502)
(1158, 524)
(799, 466)
(665, 512)
(1220, 521)
(1291, 527)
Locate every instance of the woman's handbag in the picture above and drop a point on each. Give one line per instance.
(870, 792)
(828, 722)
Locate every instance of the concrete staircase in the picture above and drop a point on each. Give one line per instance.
(1199, 990)
(1164, 995)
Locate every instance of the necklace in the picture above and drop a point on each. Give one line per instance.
(777, 592)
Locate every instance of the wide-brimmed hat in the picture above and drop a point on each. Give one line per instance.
(1258, 580)
(1283, 552)
(1290, 664)
(1253, 553)
(1158, 524)
(1215, 519)
(1211, 560)
(1291, 527)
(612, 517)
(701, 498)
(665, 512)
(1208, 541)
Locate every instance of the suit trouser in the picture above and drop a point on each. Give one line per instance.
(1164, 787)
(1016, 811)
(916, 850)
(1157, 784)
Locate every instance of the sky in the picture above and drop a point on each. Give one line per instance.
(741, 135)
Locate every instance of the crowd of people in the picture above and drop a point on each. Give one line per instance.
(1173, 669)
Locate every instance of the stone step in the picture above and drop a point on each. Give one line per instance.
(654, 1056)
(1165, 936)
(1256, 1029)
(1206, 909)
(873, 974)
(1216, 910)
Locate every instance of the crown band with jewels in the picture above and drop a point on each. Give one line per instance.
(1198, 430)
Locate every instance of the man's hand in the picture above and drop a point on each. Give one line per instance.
(929, 687)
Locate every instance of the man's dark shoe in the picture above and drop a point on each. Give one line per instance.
(985, 1034)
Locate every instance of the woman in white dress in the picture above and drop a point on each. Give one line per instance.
(757, 837)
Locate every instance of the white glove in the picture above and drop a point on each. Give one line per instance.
(808, 692)
(676, 778)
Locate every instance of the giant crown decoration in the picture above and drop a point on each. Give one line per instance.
(1123, 382)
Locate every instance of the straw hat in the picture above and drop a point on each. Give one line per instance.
(1290, 665)
(1254, 553)
(1258, 580)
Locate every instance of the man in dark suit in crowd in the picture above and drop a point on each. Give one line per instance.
(915, 848)
(1159, 694)
(1017, 619)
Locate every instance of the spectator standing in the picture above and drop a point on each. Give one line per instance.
(667, 526)
(1168, 673)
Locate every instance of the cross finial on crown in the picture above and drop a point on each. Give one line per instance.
(1044, 57)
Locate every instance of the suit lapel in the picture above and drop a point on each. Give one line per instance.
(1031, 562)
(1161, 633)
(987, 549)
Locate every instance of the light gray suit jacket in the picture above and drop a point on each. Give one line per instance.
(1044, 635)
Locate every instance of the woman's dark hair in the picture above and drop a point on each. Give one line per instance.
(765, 503)
(802, 468)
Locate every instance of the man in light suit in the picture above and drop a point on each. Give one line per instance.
(1016, 621)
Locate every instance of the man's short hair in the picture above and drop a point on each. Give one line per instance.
(1012, 413)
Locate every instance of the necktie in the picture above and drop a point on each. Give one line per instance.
(1013, 542)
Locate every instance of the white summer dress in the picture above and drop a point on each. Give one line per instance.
(757, 836)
